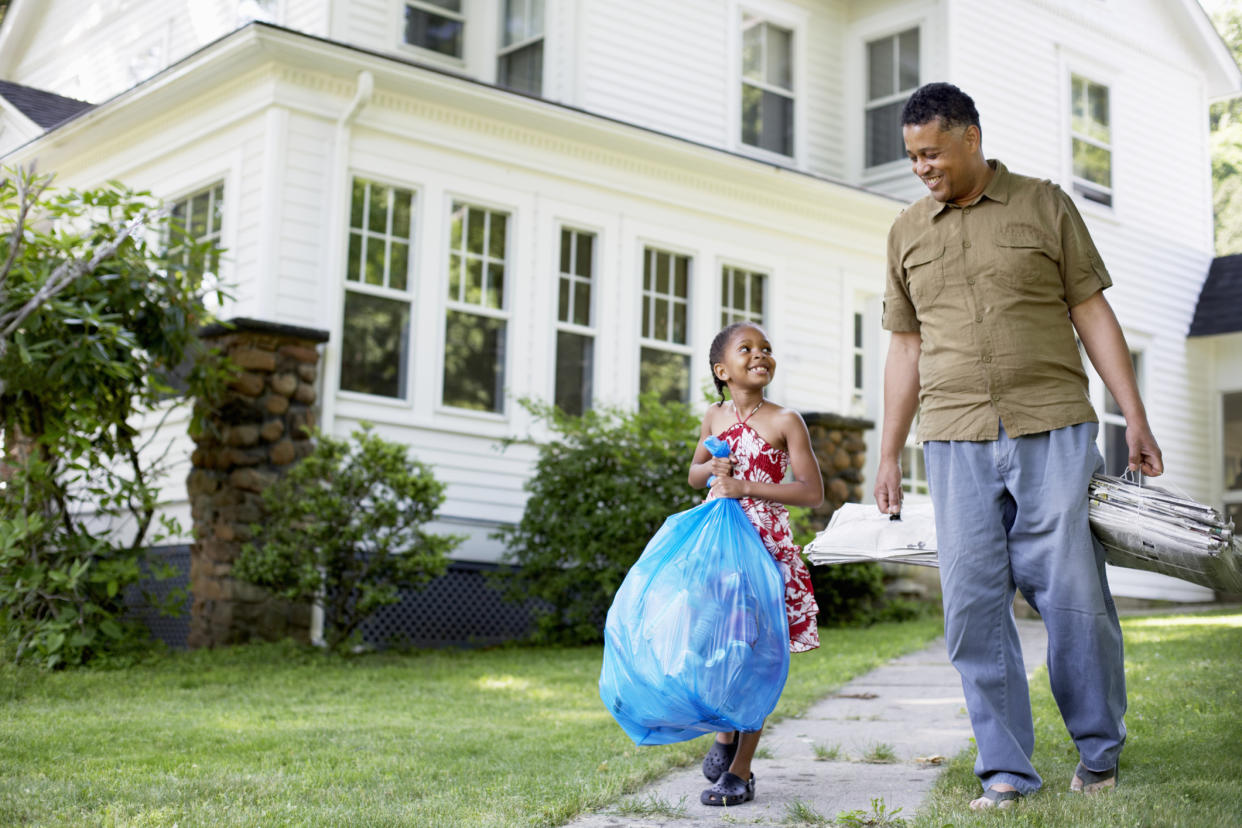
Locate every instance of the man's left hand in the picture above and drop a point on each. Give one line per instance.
(1144, 452)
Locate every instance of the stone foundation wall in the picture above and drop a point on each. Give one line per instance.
(258, 427)
(842, 453)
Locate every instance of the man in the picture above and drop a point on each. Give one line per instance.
(989, 278)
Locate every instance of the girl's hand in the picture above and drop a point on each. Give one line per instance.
(730, 487)
(721, 467)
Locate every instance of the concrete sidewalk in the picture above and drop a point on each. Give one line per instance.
(913, 704)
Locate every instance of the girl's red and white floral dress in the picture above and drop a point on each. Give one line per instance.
(757, 461)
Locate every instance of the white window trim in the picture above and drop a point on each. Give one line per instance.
(1139, 344)
(787, 16)
(410, 294)
(1070, 64)
(897, 163)
(503, 50)
(750, 269)
(1227, 495)
(179, 185)
(469, 25)
(444, 304)
(855, 120)
(592, 330)
(640, 261)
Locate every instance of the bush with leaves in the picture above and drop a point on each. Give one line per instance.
(92, 318)
(603, 484)
(345, 526)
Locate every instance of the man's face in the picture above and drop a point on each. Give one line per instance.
(947, 161)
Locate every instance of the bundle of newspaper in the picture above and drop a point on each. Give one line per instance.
(858, 532)
(1140, 527)
(1145, 527)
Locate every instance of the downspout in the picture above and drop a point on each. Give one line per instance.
(338, 201)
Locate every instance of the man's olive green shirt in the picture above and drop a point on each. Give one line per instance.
(988, 287)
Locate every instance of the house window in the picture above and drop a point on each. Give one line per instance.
(1091, 140)
(575, 334)
(664, 357)
(476, 324)
(521, 47)
(767, 86)
(1232, 411)
(892, 74)
(859, 363)
(1113, 425)
(741, 296)
(435, 25)
(376, 331)
(913, 470)
(193, 233)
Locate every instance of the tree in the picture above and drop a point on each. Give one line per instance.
(1226, 123)
(92, 325)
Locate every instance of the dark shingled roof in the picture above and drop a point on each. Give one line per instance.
(46, 109)
(1220, 301)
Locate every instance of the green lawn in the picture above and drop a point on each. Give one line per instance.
(275, 735)
(1182, 765)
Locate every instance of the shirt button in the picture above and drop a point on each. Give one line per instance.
(987, 357)
(965, 244)
(978, 317)
(996, 398)
(966, 212)
(970, 280)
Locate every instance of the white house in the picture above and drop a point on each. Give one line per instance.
(484, 200)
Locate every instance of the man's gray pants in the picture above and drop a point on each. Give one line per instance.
(1013, 513)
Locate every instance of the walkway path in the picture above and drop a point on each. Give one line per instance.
(913, 704)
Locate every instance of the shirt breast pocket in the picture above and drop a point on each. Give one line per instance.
(1022, 256)
(924, 268)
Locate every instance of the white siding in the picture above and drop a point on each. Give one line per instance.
(95, 50)
(659, 65)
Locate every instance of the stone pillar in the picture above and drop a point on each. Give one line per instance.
(842, 453)
(257, 428)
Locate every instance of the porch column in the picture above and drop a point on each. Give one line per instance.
(260, 424)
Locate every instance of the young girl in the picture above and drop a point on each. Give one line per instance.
(766, 440)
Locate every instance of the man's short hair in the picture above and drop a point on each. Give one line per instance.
(945, 101)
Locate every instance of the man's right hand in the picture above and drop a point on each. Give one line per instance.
(888, 487)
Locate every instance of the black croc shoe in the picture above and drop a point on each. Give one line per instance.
(729, 790)
(719, 758)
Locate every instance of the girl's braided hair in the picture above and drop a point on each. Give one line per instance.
(715, 354)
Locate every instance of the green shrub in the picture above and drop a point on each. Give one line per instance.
(93, 319)
(602, 486)
(345, 525)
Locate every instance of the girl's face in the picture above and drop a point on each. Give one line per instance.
(747, 360)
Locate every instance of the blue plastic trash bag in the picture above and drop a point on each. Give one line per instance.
(697, 639)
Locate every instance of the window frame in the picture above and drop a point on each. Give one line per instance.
(786, 16)
(1140, 357)
(765, 278)
(1080, 186)
(1093, 69)
(685, 349)
(503, 51)
(444, 304)
(590, 330)
(216, 234)
(409, 294)
(1230, 498)
(465, 16)
(868, 104)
